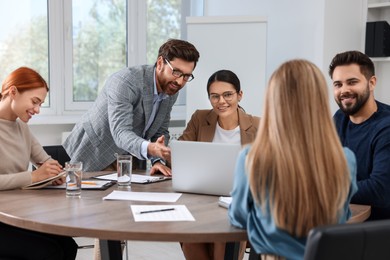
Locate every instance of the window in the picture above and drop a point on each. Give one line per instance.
(24, 37)
(77, 44)
(98, 45)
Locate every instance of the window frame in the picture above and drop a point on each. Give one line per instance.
(61, 55)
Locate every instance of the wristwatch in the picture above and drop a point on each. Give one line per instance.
(158, 160)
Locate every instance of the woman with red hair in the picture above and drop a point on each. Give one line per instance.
(22, 94)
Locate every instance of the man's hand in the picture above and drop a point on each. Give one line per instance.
(160, 168)
(158, 149)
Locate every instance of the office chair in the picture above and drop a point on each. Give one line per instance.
(364, 241)
(57, 152)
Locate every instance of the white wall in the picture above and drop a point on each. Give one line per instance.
(313, 30)
(50, 134)
(294, 27)
(236, 43)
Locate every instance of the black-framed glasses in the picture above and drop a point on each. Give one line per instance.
(178, 73)
(228, 96)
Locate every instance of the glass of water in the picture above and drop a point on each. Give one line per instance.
(124, 169)
(74, 171)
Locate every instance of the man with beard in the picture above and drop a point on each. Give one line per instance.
(363, 125)
(132, 112)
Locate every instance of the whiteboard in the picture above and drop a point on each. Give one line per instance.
(236, 43)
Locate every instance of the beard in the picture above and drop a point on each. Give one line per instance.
(353, 108)
(167, 88)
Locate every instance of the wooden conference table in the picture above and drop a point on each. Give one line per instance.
(49, 211)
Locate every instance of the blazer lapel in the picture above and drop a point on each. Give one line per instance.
(208, 131)
(245, 124)
(159, 118)
(147, 96)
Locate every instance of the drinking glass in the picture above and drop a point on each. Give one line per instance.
(124, 169)
(74, 172)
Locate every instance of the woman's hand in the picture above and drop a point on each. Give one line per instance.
(48, 169)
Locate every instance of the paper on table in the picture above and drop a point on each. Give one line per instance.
(110, 177)
(135, 178)
(143, 196)
(224, 201)
(180, 213)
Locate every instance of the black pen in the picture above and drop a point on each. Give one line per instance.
(156, 210)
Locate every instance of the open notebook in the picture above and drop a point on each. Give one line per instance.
(44, 183)
(87, 185)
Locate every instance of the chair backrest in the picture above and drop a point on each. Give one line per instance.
(363, 241)
(57, 152)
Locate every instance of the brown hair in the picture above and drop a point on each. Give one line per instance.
(23, 79)
(366, 65)
(184, 50)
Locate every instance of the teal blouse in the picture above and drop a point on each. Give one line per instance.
(263, 234)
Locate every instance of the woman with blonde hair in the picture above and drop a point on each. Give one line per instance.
(296, 175)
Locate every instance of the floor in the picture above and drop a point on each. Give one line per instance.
(139, 250)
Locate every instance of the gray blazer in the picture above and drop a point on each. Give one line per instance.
(115, 122)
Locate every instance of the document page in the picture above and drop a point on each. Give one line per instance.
(135, 178)
(154, 213)
(143, 196)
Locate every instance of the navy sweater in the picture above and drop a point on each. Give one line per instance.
(370, 141)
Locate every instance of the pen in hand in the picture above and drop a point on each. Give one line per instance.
(41, 163)
(156, 210)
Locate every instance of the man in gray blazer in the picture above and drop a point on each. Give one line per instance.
(132, 112)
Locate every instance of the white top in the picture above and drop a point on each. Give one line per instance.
(17, 147)
(227, 136)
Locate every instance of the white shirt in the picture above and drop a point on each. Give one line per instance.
(227, 136)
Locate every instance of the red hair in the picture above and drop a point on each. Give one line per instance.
(23, 79)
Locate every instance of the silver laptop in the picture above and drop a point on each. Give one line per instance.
(203, 167)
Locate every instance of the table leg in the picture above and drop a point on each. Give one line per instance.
(232, 250)
(110, 250)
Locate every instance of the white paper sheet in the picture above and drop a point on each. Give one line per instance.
(224, 201)
(135, 178)
(110, 177)
(143, 196)
(179, 213)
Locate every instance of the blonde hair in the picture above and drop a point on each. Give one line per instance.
(297, 161)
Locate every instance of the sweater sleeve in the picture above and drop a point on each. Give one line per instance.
(38, 154)
(15, 180)
(19, 147)
(375, 190)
